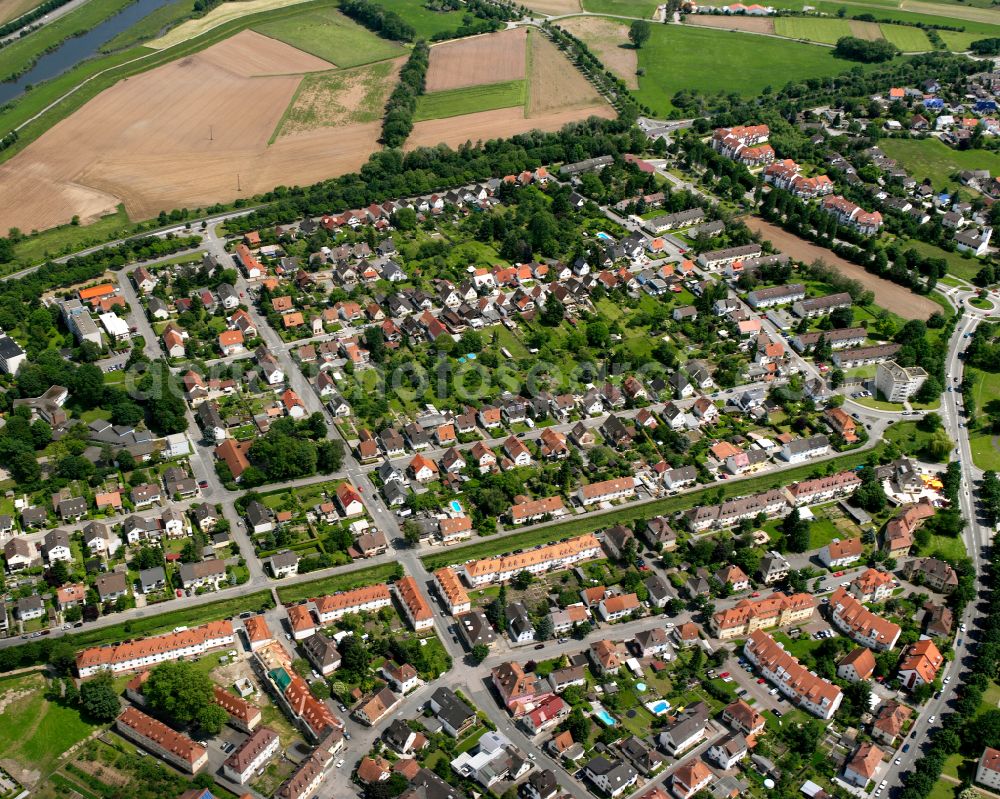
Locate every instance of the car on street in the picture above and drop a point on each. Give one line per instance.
(203, 484)
(539, 646)
(906, 747)
(962, 626)
(340, 763)
(724, 674)
(931, 720)
(897, 761)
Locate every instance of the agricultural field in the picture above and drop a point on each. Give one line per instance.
(958, 42)
(930, 158)
(493, 58)
(608, 40)
(12, 9)
(426, 22)
(684, 57)
(220, 15)
(339, 98)
(643, 9)
(825, 31)
(555, 7)
(199, 129)
(556, 92)
(455, 102)
(328, 34)
(907, 39)
(732, 22)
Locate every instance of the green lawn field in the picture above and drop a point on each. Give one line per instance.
(930, 158)
(424, 21)
(907, 39)
(455, 102)
(891, 11)
(35, 732)
(703, 59)
(959, 41)
(328, 34)
(624, 8)
(985, 445)
(959, 266)
(814, 30)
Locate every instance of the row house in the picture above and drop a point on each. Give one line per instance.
(415, 607)
(837, 339)
(368, 599)
(732, 511)
(776, 295)
(823, 489)
(820, 306)
(606, 491)
(864, 356)
(537, 509)
(143, 653)
(561, 555)
(812, 693)
(776, 610)
(864, 627)
(847, 213)
(451, 591)
(715, 259)
(166, 743)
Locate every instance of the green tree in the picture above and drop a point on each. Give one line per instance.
(639, 33)
(480, 652)
(180, 691)
(98, 698)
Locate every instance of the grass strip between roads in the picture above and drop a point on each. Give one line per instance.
(342, 581)
(629, 513)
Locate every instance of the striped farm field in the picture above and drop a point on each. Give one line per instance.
(959, 41)
(907, 39)
(824, 31)
(470, 100)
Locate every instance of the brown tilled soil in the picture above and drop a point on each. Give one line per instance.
(477, 61)
(498, 124)
(609, 41)
(251, 54)
(888, 295)
(748, 24)
(186, 134)
(555, 85)
(554, 8)
(865, 30)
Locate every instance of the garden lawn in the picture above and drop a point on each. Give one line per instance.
(812, 29)
(469, 100)
(946, 548)
(958, 265)
(35, 732)
(907, 39)
(711, 61)
(328, 34)
(930, 158)
(821, 533)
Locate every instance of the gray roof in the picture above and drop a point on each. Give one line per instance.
(453, 710)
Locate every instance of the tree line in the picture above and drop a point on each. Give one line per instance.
(402, 103)
(387, 24)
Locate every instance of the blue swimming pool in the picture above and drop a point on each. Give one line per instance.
(455, 506)
(605, 236)
(640, 687)
(659, 707)
(606, 718)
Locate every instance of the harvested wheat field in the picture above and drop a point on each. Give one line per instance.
(891, 296)
(186, 134)
(249, 55)
(12, 9)
(731, 23)
(219, 15)
(555, 85)
(477, 61)
(865, 30)
(608, 39)
(555, 8)
(338, 98)
(499, 124)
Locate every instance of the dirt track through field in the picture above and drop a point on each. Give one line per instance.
(888, 295)
(498, 124)
(188, 134)
(477, 61)
(609, 40)
(731, 23)
(555, 85)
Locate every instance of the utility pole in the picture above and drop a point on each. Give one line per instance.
(211, 133)
(238, 182)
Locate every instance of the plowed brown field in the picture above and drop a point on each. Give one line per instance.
(188, 134)
(888, 295)
(477, 61)
(734, 23)
(608, 38)
(555, 84)
(499, 124)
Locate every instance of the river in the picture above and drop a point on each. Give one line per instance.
(77, 49)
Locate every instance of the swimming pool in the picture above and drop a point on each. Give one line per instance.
(640, 687)
(455, 506)
(605, 236)
(606, 718)
(659, 707)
